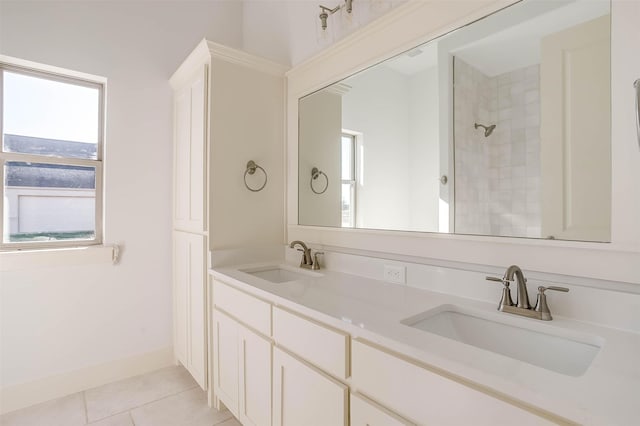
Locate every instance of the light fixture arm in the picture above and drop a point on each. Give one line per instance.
(326, 11)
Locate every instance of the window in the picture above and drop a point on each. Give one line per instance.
(51, 159)
(348, 167)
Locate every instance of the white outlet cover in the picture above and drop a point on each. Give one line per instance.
(395, 274)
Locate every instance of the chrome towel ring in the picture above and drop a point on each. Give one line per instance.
(251, 169)
(315, 173)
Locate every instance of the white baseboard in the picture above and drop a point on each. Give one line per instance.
(27, 394)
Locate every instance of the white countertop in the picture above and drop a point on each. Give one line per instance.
(608, 393)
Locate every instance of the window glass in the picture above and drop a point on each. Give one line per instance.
(50, 159)
(348, 169)
(49, 202)
(49, 117)
(347, 157)
(348, 215)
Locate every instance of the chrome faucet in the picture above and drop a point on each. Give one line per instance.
(307, 261)
(522, 295)
(522, 305)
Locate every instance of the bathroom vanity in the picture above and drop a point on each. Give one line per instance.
(331, 348)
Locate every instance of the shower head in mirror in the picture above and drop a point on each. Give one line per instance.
(487, 129)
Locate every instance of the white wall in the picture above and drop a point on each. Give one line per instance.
(289, 31)
(424, 150)
(55, 320)
(320, 142)
(246, 124)
(397, 115)
(377, 106)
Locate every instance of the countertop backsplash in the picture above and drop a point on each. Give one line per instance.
(605, 303)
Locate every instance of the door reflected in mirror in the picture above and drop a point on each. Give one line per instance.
(499, 128)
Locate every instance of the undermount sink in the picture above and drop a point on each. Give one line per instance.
(280, 273)
(563, 352)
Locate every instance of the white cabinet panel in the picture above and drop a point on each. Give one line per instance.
(225, 360)
(426, 397)
(181, 276)
(255, 378)
(189, 304)
(323, 347)
(190, 113)
(251, 311)
(182, 150)
(364, 412)
(242, 366)
(302, 395)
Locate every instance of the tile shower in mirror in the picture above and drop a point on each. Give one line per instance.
(497, 163)
(499, 128)
(505, 139)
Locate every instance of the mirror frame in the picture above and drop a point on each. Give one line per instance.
(417, 22)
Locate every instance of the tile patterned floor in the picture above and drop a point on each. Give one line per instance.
(167, 397)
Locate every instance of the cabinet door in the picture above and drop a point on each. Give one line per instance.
(225, 360)
(303, 395)
(255, 378)
(395, 382)
(190, 301)
(180, 295)
(190, 149)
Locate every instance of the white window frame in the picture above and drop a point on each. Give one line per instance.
(15, 65)
(355, 139)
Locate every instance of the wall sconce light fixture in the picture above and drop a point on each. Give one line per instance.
(325, 12)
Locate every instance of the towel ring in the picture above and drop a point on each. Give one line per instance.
(251, 169)
(315, 173)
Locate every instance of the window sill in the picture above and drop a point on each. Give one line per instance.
(27, 259)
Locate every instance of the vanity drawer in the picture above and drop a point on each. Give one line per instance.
(426, 397)
(364, 412)
(324, 347)
(247, 309)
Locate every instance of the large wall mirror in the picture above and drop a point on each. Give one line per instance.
(501, 127)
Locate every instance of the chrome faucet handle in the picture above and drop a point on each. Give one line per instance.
(316, 264)
(501, 279)
(542, 289)
(541, 303)
(505, 300)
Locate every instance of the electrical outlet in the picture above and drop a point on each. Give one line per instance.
(395, 274)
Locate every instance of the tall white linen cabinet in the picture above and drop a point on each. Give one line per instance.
(228, 110)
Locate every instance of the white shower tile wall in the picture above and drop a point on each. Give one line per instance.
(497, 181)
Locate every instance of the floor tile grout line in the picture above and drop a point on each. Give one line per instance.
(146, 403)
